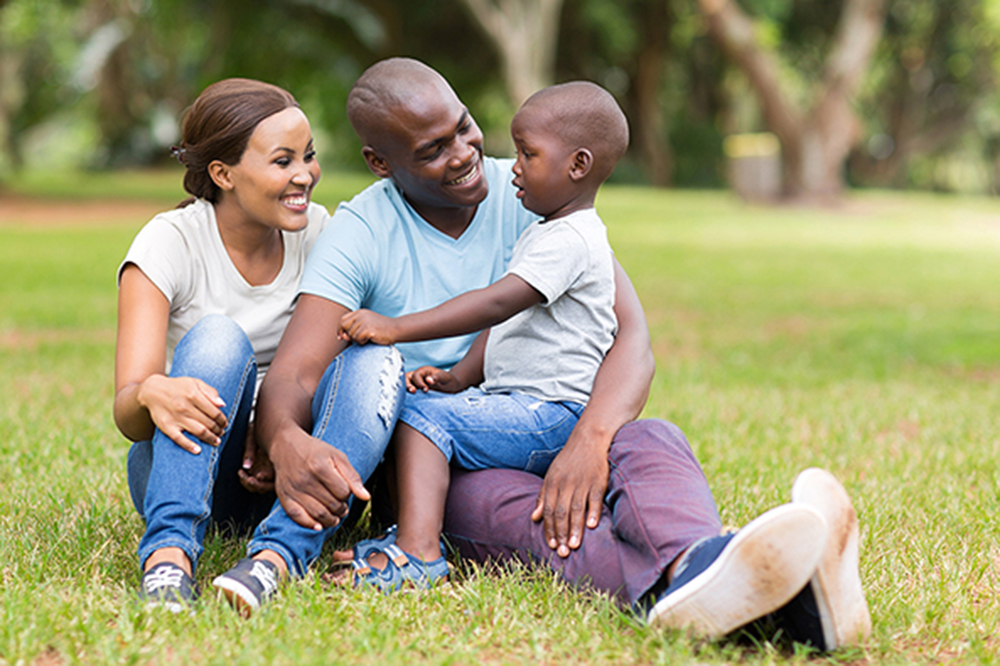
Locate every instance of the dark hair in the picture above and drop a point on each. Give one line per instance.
(218, 127)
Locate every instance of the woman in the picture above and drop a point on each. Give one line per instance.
(205, 293)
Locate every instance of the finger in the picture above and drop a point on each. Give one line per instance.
(343, 555)
(181, 440)
(198, 426)
(549, 517)
(353, 479)
(577, 515)
(297, 513)
(204, 403)
(536, 515)
(595, 504)
(249, 451)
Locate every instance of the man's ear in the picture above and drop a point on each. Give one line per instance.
(583, 160)
(220, 175)
(376, 163)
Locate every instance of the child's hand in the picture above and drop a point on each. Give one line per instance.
(363, 326)
(428, 377)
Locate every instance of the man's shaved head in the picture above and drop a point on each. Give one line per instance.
(583, 115)
(386, 88)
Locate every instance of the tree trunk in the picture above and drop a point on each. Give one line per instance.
(650, 135)
(815, 142)
(525, 34)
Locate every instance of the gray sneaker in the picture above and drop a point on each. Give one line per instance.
(168, 586)
(248, 585)
(725, 582)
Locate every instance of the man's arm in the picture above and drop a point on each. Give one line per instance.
(573, 491)
(466, 313)
(313, 479)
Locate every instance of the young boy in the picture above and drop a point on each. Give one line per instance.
(535, 370)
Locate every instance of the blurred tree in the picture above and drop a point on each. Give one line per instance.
(818, 130)
(525, 34)
(625, 45)
(934, 75)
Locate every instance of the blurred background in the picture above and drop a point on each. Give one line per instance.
(780, 98)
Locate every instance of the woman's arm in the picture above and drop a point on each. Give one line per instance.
(145, 398)
(573, 491)
(466, 313)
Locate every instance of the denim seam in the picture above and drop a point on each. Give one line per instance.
(214, 460)
(330, 397)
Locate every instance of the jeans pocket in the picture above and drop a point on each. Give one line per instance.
(539, 461)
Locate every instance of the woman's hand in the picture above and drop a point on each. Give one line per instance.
(257, 473)
(426, 378)
(179, 405)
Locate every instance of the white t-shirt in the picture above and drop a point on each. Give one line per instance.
(552, 350)
(182, 253)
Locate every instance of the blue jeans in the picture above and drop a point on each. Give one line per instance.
(354, 410)
(479, 430)
(178, 493)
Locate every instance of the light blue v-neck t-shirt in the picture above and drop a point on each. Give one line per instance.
(378, 253)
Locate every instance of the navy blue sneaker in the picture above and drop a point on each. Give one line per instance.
(168, 586)
(248, 585)
(724, 582)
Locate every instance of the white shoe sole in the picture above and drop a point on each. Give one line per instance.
(836, 584)
(237, 594)
(766, 564)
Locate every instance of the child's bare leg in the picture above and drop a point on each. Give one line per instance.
(422, 478)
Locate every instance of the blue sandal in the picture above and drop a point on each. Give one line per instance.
(364, 549)
(401, 569)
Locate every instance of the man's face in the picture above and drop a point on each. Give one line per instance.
(434, 151)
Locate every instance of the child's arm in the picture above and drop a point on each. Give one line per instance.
(467, 313)
(467, 372)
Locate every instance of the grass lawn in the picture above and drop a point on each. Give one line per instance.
(865, 340)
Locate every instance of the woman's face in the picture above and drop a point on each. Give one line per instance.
(273, 181)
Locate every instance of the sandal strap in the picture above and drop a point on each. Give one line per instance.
(396, 555)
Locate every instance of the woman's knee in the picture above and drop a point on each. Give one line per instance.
(216, 342)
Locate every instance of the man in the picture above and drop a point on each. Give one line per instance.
(633, 516)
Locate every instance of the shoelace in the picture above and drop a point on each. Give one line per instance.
(163, 578)
(265, 576)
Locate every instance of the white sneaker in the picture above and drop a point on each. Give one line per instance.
(836, 583)
(725, 582)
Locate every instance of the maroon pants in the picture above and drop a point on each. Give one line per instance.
(657, 504)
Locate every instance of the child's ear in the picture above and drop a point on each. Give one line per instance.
(376, 163)
(220, 175)
(583, 160)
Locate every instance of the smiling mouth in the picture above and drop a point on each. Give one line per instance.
(296, 200)
(473, 172)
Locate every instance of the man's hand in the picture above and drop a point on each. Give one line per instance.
(572, 495)
(428, 378)
(363, 326)
(314, 481)
(257, 473)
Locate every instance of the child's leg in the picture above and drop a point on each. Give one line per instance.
(422, 477)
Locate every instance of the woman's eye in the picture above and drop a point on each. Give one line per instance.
(310, 156)
(282, 161)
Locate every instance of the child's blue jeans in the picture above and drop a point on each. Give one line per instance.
(177, 493)
(479, 430)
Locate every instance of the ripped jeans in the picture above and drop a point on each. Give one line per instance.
(479, 430)
(178, 494)
(354, 410)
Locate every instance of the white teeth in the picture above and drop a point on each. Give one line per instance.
(296, 201)
(466, 178)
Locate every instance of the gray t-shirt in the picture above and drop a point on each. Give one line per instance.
(552, 350)
(181, 252)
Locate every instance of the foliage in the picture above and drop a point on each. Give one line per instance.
(861, 339)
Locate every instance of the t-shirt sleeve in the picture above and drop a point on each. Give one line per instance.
(161, 253)
(552, 261)
(341, 264)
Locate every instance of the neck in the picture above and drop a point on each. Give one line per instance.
(449, 221)
(255, 249)
(577, 204)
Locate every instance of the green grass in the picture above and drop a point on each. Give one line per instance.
(865, 340)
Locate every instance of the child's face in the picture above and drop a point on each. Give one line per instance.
(541, 172)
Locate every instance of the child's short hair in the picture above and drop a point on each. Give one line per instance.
(585, 115)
